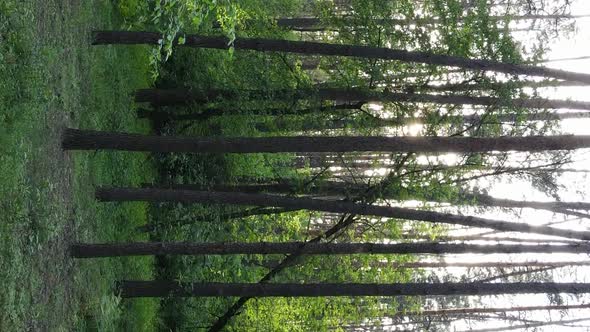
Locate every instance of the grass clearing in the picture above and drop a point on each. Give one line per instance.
(50, 78)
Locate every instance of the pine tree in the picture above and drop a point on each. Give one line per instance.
(311, 48)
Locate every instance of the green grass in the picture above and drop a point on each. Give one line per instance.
(51, 78)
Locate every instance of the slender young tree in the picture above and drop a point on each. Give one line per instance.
(516, 273)
(454, 87)
(265, 248)
(286, 124)
(270, 264)
(163, 288)
(461, 311)
(529, 325)
(354, 96)
(344, 207)
(310, 48)
(444, 265)
(485, 239)
(74, 139)
(315, 23)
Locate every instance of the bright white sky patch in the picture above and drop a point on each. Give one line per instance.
(578, 185)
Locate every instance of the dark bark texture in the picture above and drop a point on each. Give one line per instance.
(266, 248)
(74, 139)
(164, 288)
(306, 47)
(350, 96)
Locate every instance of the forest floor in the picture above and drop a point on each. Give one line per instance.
(51, 78)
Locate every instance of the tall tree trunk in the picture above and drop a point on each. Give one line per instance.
(455, 87)
(462, 311)
(477, 265)
(565, 59)
(529, 325)
(267, 248)
(286, 124)
(304, 23)
(350, 96)
(344, 207)
(74, 139)
(488, 239)
(551, 206)
(272, 263)
(165, 288)
(309, 48)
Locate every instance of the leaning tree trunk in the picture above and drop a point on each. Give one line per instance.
(344, 222)
(190, 196)
(350, 96)
(343, 189)
(166, 288)
(74, 139)
(309, 48)
(266, 248)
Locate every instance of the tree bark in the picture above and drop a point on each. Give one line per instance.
(367, 52)
(191, 196)
(163, 288)
(350, 96)
(317, 23)
(81, 250)
(74, 139)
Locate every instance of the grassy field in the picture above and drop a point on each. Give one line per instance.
(51, 78)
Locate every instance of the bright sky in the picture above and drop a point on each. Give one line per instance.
(577, 184)
(577, 188)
